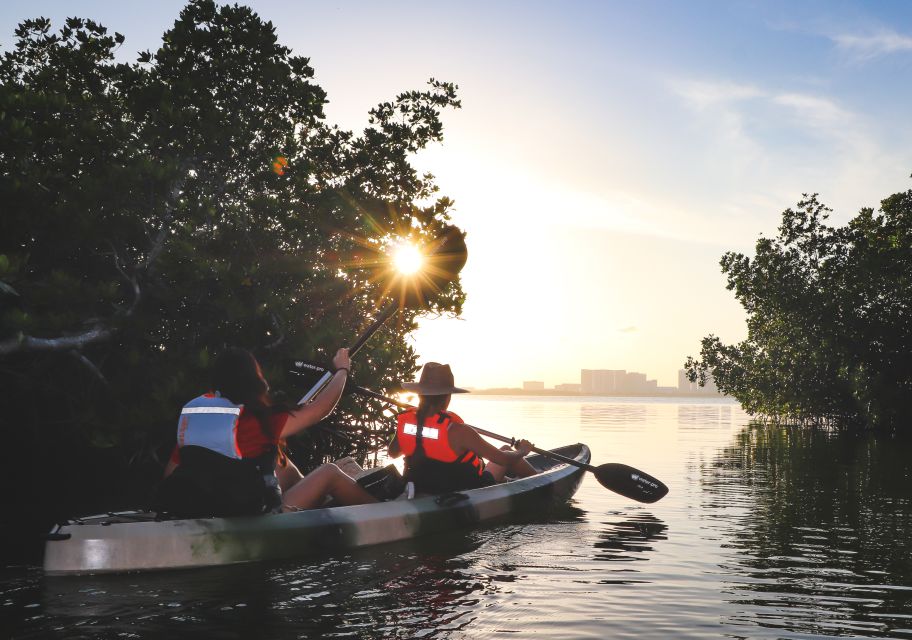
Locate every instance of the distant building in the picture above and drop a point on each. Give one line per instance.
(615, 382)
(634, 383)
(683, 382)
(568, 388)
(601, 381)
(685, 386)
(533, 385)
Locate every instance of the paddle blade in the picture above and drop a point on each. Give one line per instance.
(630, 483)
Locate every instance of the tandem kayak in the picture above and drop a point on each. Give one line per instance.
(137, 541)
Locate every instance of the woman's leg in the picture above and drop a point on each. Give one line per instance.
(328, 480)
(519, 469)
(288, 475)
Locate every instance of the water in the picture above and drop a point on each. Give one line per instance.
(766, 533)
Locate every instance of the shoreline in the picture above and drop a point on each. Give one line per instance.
(507, 391)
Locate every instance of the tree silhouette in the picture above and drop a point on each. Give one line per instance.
(156, 211)
(829, 320)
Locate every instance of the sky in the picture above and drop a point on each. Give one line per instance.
(607, 154)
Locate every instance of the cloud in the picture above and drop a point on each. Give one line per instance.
(727, 105)
(872, 46)
(703, 94)
(765, 143)
(814, 110)
(732, 104)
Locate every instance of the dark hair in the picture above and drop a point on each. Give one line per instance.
(236, 375)
(428, 406)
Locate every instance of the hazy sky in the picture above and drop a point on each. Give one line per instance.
(607, 153)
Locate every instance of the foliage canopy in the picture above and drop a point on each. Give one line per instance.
(147, 222)
(829, 319)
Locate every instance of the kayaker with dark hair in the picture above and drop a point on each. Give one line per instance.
(225, 461)
(442, 454)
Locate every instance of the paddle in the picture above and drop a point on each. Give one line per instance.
(620, 478)
(446, 257)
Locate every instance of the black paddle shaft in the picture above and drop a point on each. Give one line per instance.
(384, 315)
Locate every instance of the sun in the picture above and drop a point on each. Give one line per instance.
(407, 259)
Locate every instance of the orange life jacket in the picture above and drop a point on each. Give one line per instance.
(434, 439)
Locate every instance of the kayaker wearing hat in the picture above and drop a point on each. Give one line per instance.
(442, 454)
(225, 461)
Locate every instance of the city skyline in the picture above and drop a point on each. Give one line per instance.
(614, 382)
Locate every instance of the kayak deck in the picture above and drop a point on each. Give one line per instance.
(138, 541)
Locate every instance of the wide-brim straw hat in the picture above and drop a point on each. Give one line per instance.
(436, 380)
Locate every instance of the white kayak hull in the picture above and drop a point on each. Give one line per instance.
(135, 541)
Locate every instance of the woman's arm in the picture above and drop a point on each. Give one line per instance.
(323, 404)
(465, 438)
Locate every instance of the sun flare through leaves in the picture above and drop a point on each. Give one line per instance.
(407, 258)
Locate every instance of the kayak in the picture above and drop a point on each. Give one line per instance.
(138, 541)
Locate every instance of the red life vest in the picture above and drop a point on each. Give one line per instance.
(434, 440)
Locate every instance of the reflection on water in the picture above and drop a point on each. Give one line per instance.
(766, 533)
(429, 587)
(821, 523)
(397, 589)
(609, 416)
(704, 416)
(629, 539)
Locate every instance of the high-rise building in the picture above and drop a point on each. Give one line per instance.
(618, 382)
(601, 381)
(683, 382)
(615, 382)
(686, 386)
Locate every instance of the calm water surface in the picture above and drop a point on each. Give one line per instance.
(766, 533)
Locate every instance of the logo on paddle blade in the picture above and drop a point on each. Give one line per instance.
(638, 478)
(306, 365)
